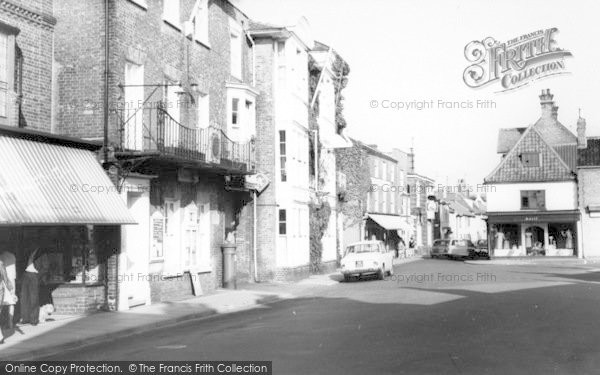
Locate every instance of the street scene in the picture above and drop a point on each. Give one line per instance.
(299, 187)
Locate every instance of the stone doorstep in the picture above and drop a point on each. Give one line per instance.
(131, 324)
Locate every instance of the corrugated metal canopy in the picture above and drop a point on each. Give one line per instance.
(390, 222)
(43, 183)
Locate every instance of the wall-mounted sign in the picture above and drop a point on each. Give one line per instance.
(258, 182)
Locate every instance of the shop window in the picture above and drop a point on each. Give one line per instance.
(561, 236)
(533, 200)
(505, 236)
(66, 255)
(282, 222)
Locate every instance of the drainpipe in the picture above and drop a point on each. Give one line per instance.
(106, 65)
(254, 237)
(253, 56)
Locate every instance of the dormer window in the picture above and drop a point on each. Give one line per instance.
(530, 159)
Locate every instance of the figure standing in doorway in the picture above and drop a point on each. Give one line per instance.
(569, 241)
(10, 296)
(5, 287)
(30, 288)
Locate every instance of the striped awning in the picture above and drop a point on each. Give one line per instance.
(43, 183)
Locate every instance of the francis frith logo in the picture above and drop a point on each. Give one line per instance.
(515, 63)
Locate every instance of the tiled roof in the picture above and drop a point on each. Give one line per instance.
(320, 46)
(589, 156)
(511, 169)
(554, 133)
(508, 138)
(256, 25)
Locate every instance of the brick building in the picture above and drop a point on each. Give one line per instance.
(588, 178)
(43, 206)
(180, 125)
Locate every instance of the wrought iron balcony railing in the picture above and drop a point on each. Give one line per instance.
(154, 129)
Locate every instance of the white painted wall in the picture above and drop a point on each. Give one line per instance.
(507, 197)
(589, 188)
(291, 115)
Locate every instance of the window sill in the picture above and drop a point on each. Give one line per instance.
(157, 260)
(174, 25)
(203, 43)
(66, 284)
(140, 4)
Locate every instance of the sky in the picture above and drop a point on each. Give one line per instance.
(413, 50)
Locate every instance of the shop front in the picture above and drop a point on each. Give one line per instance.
(57, 202)
(393, 230)
(542, 233)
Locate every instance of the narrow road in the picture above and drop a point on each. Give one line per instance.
(431, 317)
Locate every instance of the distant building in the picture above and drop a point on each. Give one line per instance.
(588, 175)
(533, 208)
(384, 220)
(423, 210)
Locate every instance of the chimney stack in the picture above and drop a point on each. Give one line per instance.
(555, 112)
(547, 104)
(581, 140)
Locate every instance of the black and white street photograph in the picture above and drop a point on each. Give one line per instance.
(299, 187)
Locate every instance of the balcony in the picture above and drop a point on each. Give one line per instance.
(152, 131)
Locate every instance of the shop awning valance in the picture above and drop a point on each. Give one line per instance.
(511, 217)
(390, 222)
(43, 183)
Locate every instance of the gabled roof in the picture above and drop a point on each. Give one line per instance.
(257, 25)
(553, 132)
(507, 138)
(589, 156)
(510, 169)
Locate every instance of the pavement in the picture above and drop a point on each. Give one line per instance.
(63, 333)
(431, 317)
(539, 260)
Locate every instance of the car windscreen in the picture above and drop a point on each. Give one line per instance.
(441, 243)
(362, 248)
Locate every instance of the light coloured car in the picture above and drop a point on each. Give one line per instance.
(367, 258)
(453, 249)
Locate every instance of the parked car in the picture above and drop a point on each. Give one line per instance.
(367, 258)
(481, 249)
(453, 249)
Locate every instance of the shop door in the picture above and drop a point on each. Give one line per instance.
(172, 251)
(135, 276)
(204, 236)
(190, 237)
